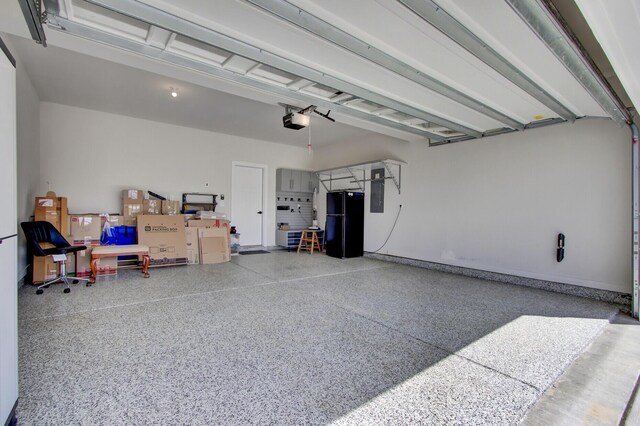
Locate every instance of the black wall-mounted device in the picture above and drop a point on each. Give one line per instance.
(560, 249)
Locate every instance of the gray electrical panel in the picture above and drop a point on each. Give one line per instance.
(377, 191)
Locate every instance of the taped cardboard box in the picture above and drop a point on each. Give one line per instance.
(83, 262)
(85, 229)
(165, 236)
(53, 209)
(106, 266)
(209, 223)
(132, 196)
(71, 265)
(132, 205)
(151, 207)
(44, 268)
(214, 245)
(193, 245)
(131, 212)
(170, 207)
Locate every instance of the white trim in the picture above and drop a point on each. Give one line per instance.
(265, 213)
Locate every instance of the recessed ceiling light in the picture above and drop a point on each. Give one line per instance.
(174, 92)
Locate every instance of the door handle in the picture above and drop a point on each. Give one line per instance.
(260, 212)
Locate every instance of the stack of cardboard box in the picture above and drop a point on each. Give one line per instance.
(52, 209)
(170, 241)
(210, 241)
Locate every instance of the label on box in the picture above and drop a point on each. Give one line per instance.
(47, 202)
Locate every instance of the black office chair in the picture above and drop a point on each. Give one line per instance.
(44, 232)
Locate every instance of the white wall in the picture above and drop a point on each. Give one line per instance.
(497, 204)
(89, 156)
(28, 153)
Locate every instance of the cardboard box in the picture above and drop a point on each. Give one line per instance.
(104, 266)
(170, 207)
(44, 269)
(151, 207)
(214, 245)
(85, 230)
(132, 205)
(132, 196)
(165, 237)
(53, 209)
(193, 245)
(209, 223)
(71, 265)
(131, 212)
(83, 262)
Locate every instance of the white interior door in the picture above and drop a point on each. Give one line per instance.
(247, 203)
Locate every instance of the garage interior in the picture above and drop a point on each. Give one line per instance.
(487, 272)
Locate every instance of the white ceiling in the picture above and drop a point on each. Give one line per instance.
(70, 78)
(265, 59)
(615, 26)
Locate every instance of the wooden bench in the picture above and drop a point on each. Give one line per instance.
(114, 251)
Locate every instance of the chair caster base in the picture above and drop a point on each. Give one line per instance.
(88, 284)
(75, 281)
(67, 290)
(39, 291)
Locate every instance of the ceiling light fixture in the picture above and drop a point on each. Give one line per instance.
(174, 92)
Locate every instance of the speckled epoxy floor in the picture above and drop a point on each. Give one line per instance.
(295, 339)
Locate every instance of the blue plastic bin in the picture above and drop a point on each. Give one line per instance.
(125, 235)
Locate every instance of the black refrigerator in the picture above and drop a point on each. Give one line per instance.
(344, 231)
